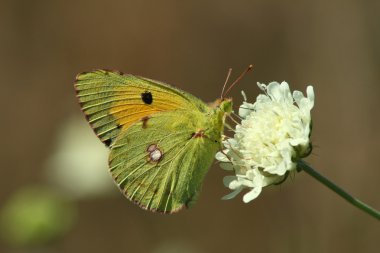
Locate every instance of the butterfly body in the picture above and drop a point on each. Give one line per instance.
(162, 140)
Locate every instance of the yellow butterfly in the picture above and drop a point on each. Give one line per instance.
(162, 140)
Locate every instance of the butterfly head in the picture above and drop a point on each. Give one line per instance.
(223, 105)
(216, 119)
(226, 105)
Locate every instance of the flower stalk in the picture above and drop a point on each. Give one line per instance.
(302, 165)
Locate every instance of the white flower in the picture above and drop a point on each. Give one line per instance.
(273, 134)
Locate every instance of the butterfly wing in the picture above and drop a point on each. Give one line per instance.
(162, 139)
(112, 101)
(160, 164)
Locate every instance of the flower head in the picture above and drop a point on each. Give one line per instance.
(273, 134)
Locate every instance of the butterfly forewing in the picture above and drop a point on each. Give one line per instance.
(112, 101)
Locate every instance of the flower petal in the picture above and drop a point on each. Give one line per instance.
(228, 179)
(298, 96)
(232, 194)
(286, 95)
(274, 91)
(252, 194)
(245, 109)
(226, 166)
(310, 95)
(221, 157)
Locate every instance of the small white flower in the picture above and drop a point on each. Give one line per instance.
(273, 134)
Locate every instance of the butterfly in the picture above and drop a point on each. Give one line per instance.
(162, 140)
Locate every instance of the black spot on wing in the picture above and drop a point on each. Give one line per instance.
(147, 97)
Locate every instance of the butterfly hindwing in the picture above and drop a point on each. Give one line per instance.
(112, 101)
(160, 163)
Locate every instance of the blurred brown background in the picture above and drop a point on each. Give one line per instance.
(333, 45)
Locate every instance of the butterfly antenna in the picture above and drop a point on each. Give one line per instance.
(234, 120)
(225, 83)
(229, 127)
(236, 115)
(238, 79)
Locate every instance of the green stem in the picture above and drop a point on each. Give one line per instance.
(301, 165)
